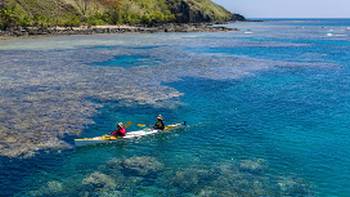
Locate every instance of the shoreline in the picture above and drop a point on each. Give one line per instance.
(111, 29)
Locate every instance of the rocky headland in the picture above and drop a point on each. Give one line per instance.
(59, 17)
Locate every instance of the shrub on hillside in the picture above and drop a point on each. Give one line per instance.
(12, 16)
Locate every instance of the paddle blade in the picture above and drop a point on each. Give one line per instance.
(141, 125)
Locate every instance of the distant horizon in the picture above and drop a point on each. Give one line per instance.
(297, 9)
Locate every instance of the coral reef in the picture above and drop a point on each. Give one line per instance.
(229, 180)
(52, 188)
(131, 177)
(253, 166)
(99, 181)
(51, 88)
(289, 186)
(99, 184)
(141, 166)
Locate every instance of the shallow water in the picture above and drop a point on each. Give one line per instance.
(128, 61)
(268, 112)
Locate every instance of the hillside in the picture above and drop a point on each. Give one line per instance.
(101, 12)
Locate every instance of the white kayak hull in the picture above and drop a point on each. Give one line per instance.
(128, 136)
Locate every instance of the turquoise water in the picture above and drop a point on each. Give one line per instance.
(268, 114)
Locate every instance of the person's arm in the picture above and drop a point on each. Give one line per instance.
(113, 132)
(156, 126)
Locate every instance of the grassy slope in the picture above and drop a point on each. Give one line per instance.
(215, 11)
(96, 12)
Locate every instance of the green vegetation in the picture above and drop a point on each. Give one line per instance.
(13, 15)
(140, 11)
(47, 13)
(206, 10)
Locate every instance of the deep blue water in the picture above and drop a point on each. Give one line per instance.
(287, 103)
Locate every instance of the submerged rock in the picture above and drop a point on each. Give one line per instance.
(253, 166)
(98, 184)
(217, 193)
(101, 194)
(98, 181)
(192, 178)
(52, 188)
(141, 166)
(207, 193)
(294, 187)
(113, 164)
(222, 180)
(110, 194)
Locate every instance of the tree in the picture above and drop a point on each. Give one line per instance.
(83, 6)
(13, 16)
(114, 10)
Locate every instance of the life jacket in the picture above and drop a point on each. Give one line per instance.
(120, 132)
(159, 125)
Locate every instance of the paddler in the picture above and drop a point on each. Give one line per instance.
(159, 125)
(120, 131)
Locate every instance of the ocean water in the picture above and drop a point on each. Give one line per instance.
(267, 110)
(127, 61)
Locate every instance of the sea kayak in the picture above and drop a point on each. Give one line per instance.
(105, 139)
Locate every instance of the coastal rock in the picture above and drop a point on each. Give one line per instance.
(238, 17)
(109, 29)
